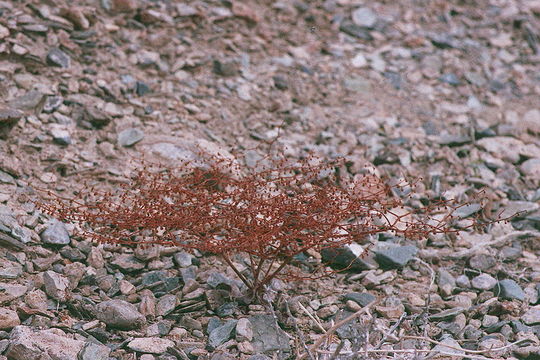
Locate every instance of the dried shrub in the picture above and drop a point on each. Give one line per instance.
(271, 214)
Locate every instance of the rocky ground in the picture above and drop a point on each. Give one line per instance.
(442, 91)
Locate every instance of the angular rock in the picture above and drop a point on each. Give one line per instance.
(364, 17)
(8, 118)
(56, 57)
(484, 282)
(150, 345)
(9, 292)
(55, 233)
(244, 331)
(222, 333)
(51, 344)
(363, 299)
(396, 257)
(532, 316)
(130, 137)
(127, 263)
(92, 351)
(119, 314)
(166, 304)
(267, 335)
(8, 319)
(56, 285)
(351, 257)
(509, 289)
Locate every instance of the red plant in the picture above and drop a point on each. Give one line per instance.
(271, 215)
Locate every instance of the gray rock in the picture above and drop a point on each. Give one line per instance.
(484, 282)
(10, 270)
(130, 137)
(531, 168)
(363, 299)
(55, 233)
(482, 262)
(166, 304)
(51, 344)
(28, 101)
(8, 319)
(358, 84)
(244, 330)
(447, 314)
(9, 292)
(127, 263)
(267, 335)
(183, 258)
(221, 334)
(466, 210)
(351, 257)
(446, 282)
(453, 349)
(522, 208)
(450, 78)
(119, 314)
(56, 285)
(57, 57)
(463, 281)
(92, 351)
(354, 30)
(150, 345)
(364, 17)
(8, 118)
(396, 257)
(61, 136)
(509, 289)
(532, 316)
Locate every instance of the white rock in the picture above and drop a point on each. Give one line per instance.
(150, 345)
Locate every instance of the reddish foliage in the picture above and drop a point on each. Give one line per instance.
(271, 215)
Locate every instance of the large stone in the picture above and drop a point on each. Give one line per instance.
(55, 233)
(509, 289)
(267, 335)
(150, 345)
(56, 285)
(8, 118)
(8, 319)
(119, 314)
(532, 316)
(396, 257)
(51, 344)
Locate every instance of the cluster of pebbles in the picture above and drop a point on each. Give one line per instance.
(441, 93)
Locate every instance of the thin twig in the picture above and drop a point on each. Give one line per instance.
(300, 334)
(312, 317)
(390, 331)
(337, 325)
(467, 350)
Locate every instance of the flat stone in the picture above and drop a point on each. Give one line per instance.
(221, 334)
(92, 351)
(55, 233)
(130, 137)
(531, 121)
(244, 330)
(509, 289)
(119, 314)
(9, 292)
(532, 316)
(150, 345)
(56, 285)
(454, 348)
(484, 282)
(396, 257)
(267, 335)
(8, 319)
(508, 148)
(127, 263)
(28, 101)
(51, 344)
(363, 299)
(8, 118)
(56, 57)
(531, 167)
(166, 304)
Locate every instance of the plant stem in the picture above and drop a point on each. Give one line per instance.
(242, 277)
